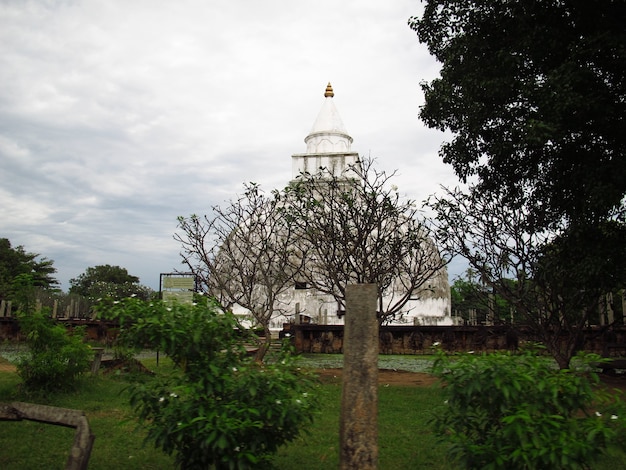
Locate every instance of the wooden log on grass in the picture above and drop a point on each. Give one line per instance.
(83, 439)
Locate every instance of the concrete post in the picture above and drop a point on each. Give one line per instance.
(358, 433)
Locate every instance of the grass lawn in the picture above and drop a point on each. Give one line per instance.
(28, 445)
(405, 438)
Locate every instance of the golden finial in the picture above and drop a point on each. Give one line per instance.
(329, 91)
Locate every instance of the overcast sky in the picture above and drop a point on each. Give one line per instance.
(117, 116)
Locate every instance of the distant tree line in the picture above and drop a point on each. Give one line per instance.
(474, 302)
(19, 267)
(16, 260)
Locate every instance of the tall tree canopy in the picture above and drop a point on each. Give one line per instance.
(16, 261)
(554, 281)
(535, 96)
(108, 281)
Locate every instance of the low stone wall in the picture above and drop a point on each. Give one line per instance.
(96, 330)
(328, 339)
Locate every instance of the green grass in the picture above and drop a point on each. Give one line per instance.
(405, 438)
(32, 445)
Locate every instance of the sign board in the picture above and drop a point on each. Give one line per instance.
(170, 282)
(182, 297)
(178, 287)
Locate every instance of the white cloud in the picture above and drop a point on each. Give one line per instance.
(116, 117)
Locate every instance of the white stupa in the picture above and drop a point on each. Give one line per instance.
(329, 146)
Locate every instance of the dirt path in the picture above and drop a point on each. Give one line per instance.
(385, 377)
(420, 379)
(392, 377)
(6, 366)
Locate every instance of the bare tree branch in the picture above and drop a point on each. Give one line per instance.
(355, 228)
(243, 254)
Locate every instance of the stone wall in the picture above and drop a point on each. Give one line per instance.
(328, 339)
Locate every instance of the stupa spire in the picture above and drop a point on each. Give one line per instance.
(327, 145)
(328, 134)
(329, 91)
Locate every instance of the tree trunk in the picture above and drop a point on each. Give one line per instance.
(562, 360)
(265, 345)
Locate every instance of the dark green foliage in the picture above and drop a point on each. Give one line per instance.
(108, 281)
(534, 93)
(56, 358)
(16, 261)
(219, 407)
(469, 294)
(520, 412)
(584, 262)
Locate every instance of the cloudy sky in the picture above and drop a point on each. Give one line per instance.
(117, 116)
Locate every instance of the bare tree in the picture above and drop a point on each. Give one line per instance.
(558, 275)
(243, 254)
(355, 228)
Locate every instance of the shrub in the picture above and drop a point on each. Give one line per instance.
(219, 407)
(56, 358)
(520, 412)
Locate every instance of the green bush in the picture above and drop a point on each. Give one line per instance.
(520, 412)
(56, 357)
(219, 408)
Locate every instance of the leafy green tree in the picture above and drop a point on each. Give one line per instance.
(16, 261)
(579, 267)
(56, 358)
(506, 411)
(220, 408)
(108, 281)
(534, 95)
(470, 295)
(558, 279)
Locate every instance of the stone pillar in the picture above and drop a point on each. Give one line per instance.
(358, 433)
